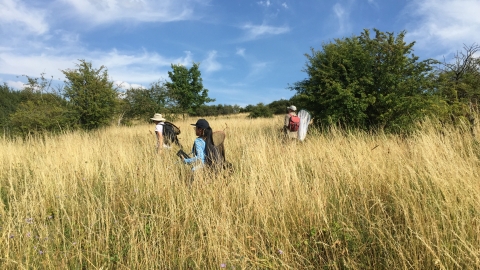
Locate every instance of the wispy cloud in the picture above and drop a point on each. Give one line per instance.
(144, 67)
(284, 5)
(343, 16)
(373, 3)
(240, 51)
(211, 64)
(67, 37)
(50, 20)
(256, 70)
(264, 3)
(16, 14)
(15, 84)
(52, 50)
(445, 23)
(126, 85)
(105, 11)
(15, 64)
(257, 31)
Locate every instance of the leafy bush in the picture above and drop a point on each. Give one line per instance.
(260, 110)
(368, 83)
(279, 106)
(48, 114)
(91, 95)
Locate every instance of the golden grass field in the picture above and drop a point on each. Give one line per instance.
(106, 200)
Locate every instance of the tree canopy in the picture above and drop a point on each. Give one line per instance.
(186, 88)
(91, 95)
(367, 82)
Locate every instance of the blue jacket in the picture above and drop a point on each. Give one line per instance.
(198, 151)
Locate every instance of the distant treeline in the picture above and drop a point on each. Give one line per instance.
(368, 82)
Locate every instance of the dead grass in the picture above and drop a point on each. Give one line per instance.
(335, 201)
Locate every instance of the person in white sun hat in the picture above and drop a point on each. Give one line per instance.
(159, 122)
(291, 123)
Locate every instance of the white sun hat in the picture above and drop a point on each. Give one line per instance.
(293, 108)
(158, 117)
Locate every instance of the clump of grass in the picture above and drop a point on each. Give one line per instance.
(338, 200)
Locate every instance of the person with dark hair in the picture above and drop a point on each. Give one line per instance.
(203, 150)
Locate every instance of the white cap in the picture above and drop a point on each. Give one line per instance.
(293, 108)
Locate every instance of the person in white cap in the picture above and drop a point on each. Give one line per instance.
(159, 121)
(291, 123)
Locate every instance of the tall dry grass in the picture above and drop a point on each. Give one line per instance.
(336, 201)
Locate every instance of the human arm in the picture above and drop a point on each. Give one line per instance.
(199, 153)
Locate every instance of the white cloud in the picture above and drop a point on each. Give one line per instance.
(67, 37)
(16, 14)
(140, 68)
(211, 64)
(15, 84)
(125, 85)
(445, 23)
(285, 5)
(264, 3)
(342, 16)
(105, 11)
(240, 51)
(34, 65)
(256, 31)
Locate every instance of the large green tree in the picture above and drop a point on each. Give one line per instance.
(186, 88)
(91, 95)
(368, 82)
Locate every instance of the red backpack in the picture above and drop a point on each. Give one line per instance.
(294, 123)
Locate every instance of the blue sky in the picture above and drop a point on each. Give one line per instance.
(249, 51)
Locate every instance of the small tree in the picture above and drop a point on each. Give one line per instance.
(91, 95)
(186, 88)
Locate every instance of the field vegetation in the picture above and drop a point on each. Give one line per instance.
(339, 200)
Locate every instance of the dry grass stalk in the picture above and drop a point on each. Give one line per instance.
(358, 201)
